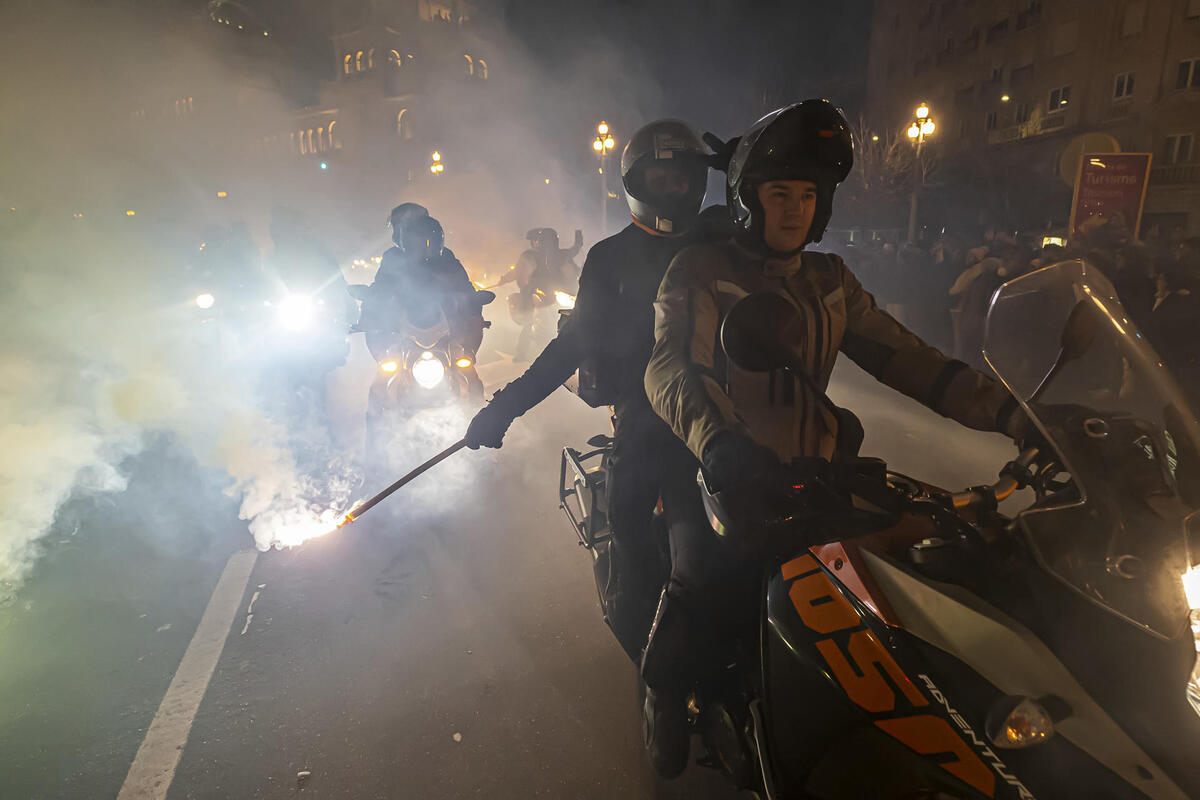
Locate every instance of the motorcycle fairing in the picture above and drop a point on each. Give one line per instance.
(1016, 662)
(821, 656)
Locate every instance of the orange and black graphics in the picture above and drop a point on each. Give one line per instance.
(872, 679)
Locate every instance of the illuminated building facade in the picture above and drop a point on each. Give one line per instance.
(1014, 82)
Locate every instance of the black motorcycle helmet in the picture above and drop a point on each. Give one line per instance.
(402, 216)
(543, 238)
(664, 142)
(422, 238)
(807, 141)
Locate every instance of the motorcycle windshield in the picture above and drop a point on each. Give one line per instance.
(1064, 345)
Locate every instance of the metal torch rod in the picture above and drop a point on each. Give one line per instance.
(433, 462)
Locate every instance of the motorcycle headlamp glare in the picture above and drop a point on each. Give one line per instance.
(205, 301)
(389, 366)
(428, 371)
(1016, 722)
(463, 363)
(296, 312)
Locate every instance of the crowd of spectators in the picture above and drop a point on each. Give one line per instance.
(941, 289)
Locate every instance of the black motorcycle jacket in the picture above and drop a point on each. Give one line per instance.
(404, 287)
(613, 319)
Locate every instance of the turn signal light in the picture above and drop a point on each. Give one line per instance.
(1017, 722)
(463, 363)
(389, 366)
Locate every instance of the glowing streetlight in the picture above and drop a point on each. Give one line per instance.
(875, 137)
(603, 145)
(919, 129)
(128, 213)
(1004, 98)
(436, 167)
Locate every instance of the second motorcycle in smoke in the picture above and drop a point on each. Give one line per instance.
(907, 642)
(421, 364)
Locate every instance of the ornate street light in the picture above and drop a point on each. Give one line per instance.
(603, 145)
(921, 128)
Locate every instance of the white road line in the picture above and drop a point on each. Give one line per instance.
(154, 765)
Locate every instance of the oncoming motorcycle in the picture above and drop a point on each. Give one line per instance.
(421, 365)
(910, 642)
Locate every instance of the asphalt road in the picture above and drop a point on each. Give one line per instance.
(448, 645)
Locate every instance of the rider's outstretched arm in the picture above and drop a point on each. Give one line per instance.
(897, 357)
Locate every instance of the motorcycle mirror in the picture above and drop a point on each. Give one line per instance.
(483, 296)
(1080, 331)
(359, 291)
(752, 332)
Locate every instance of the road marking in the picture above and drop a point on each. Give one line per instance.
(154, 765)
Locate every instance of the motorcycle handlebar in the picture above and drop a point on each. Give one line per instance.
(1014, 476)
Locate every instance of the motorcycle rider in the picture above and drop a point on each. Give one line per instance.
(610, 334)
(740, 424)
(417, 277)
(540, 271)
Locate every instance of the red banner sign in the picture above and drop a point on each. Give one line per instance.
(1110, 189)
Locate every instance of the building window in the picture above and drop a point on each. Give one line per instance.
(300, 138)
(394, 59)
(332, 144)
(310, 141)
(1177, 149)
(468, 65)
(346, 65)
(1135, 15)
(998, 72)
(997, 31)
(1188, 74)
(1058, 99)
(1123, 86)
(1193, 9)
(1023, 112)
(358, 67)
(1066, 38)
(371, 58)
(989, 121)
(293, 143)
(481, 69)
(321, 138)
(402, 129)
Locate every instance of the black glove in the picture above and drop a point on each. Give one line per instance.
(488, 427)
(733, 460)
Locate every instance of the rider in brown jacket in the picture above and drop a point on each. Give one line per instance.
(741, 424)
(781, 182)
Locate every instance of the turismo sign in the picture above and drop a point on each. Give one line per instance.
(1110, 189)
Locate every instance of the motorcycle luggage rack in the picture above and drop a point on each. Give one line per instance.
(584, 499)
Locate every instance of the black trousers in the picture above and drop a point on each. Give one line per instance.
(650, 463)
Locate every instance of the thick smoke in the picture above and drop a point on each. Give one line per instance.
(101, 344)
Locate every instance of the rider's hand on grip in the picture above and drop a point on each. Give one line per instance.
(488, 427)
(733, 460)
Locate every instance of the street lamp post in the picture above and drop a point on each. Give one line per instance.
(921, 128)
(603, 145)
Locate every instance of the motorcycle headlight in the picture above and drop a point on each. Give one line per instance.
(1191, 588)
(296, 312)
(428, 371)
(564, 299)
(205, 301)
(389, 365)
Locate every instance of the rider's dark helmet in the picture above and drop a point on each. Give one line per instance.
(543, 238)
(807, 141)
(422, 238)
(664, 142)
(402, 216)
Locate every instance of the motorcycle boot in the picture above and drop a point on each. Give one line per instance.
(665, 732)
